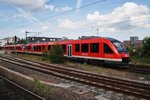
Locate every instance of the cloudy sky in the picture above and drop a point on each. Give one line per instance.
(118, 19)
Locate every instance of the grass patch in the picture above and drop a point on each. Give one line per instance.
(40, 88)
(141, 60)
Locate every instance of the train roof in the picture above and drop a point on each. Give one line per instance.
(112, 39)
(90, 38)
(96, 37)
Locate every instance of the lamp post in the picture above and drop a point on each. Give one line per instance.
(26, 35)
(97, 31)
(15, 40)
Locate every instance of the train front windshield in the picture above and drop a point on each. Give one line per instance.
(119, 46)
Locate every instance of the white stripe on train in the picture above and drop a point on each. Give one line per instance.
(96, 58)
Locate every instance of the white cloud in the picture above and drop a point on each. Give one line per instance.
(28, 4)
(63, 9)
(71, 25)
(44, 27)
(50, 7)
(128, 16)
(57, 9)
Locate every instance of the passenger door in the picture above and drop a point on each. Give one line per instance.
(69, 50)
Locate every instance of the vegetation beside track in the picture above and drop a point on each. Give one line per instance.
(140, 55)
(55, 55)
(140, 60)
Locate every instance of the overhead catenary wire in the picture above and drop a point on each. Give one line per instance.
(59, 14)
(84, 6)
(111, 24)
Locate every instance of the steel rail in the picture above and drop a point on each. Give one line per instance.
(22, 88)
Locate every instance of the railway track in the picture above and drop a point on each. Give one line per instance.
(12, 91)
(142, 69)
(115, 84)
(139, 68)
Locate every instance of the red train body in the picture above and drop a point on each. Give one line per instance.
(99, 49)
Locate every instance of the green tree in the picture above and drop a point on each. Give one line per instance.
(22, 41)
(135, 51)
(44, 55)
(146, 46)
(56, 54)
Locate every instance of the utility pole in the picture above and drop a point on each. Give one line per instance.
(26, 35)
(15, 40)
(97, 31)
(92, 29)
(26, 32)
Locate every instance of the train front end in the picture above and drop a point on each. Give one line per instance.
(122, 51)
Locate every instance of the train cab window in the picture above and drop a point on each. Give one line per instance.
(94, 47)
(77, 47)
(119, 46)
(64, 48)
(84, 47)
(107, 49)
(49, 47)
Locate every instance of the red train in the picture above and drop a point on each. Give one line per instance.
(106, 50)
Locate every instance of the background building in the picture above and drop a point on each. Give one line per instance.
(3, 42)
(8, 40)
(133, 42)
(41, 39)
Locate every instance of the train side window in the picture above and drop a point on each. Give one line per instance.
(84, 47)
(27, 47)
(43, 47)
(39, 48)
(64, 48)
(94, 47)
(77, 47)
(35, 48)
(49, 47)
(107, 49)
